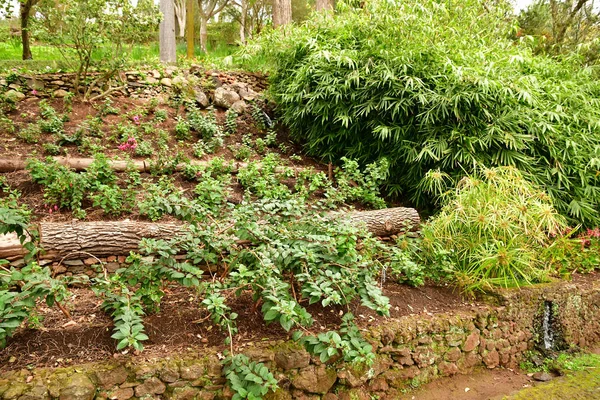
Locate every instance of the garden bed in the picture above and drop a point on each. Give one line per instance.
(182, 328)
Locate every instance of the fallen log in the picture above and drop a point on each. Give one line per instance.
(113, 238)
(82, 164)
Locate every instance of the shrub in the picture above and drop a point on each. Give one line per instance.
(439, 86)
(494, 230)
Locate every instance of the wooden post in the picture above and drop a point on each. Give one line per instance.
(189, 26)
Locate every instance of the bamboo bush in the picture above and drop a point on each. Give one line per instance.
(439, 89)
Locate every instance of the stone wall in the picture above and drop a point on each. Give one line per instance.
(410, 350)
(223, 89)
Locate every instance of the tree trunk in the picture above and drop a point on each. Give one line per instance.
(388, 221)
(181, 15)
(282, 12)
(243, 15)
(168, 45)
(25, 11)
(190, 28)
(81, 164)
(325, 5)
(203, 32)
(112, 238)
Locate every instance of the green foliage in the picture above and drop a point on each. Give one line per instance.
(20, 289)
(97, 31)
(439, 88)
(205, 124)
(248, 379)
(182, 129)
(494, 230)
(348, 344)
(581, 254)
(163, 198)
(231, 121)
(51, 122)
(68, 189)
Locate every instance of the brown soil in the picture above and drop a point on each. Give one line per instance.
(181, 326)
(479, 385)
(28, 112)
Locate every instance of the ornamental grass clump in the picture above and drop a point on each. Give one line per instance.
(494, 230)
(439, 86)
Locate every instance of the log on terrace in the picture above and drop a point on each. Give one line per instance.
(82, 164)
(113, 238)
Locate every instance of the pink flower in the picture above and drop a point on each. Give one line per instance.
(34, 92)
(50, 211)
(55, 207)
(129, 145)
(136, 119)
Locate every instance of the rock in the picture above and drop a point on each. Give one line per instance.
(78, 387)
(121, 394)
(471, 342)
(108, 379)
(112, 267)
(15, 390)
(196, 69)
(201, 97)
(90, 261)
(60, 93)
(287, 359)
(38, 392)
(179, 81)
(185, 393)
(166, 82)
(225, 98)
(491, 359)
(169, 374)
(35, 84)
(192, 372)
(151, 80)
(315, 379)
(353, 394)
(155, 74)
(453, 354)
(59, 269)
(14, 96)
(542, 376)
(18, 263)
(379, 385)
(447, 369)
(14, 86)
(57, 83)
(73, 262)
(278, 394)
(239, 106)
(150, 386)
(169, 71)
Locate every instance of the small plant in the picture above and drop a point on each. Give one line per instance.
(160, 115)
(204, 124)
(51, 149)
(51, 121)
(182, 129)
(31, 134)
(241, 152)
(494, 230)
(231, 122)
(144, 149)
(271, 138)
(248, 379)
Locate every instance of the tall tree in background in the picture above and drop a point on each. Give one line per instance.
(282, 12)
(325, 5)
(207, 9)
(189, 34)
(168, 45)
(562, 26)
(25, 8)
(180, 14)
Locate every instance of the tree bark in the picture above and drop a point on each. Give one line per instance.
(168, 45)
(203, 32)
(325, 5)
(181, 15)
(189, 34)
(112, 238)
(282, 12)
(82, 164)
(388, 221)
(25, 12)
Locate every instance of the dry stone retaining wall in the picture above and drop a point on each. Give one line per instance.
(410, 350)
